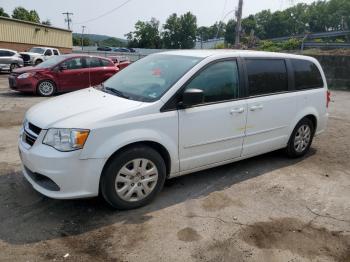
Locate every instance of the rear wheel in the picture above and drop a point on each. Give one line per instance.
(301, 138)
(46, 88)
(133, 178)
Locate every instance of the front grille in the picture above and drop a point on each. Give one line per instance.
(29, 139)
(25, 57)
(42, 180)
(12, 82)
(31, 133)
(34, 128)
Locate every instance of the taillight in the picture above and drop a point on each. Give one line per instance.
(328, 98)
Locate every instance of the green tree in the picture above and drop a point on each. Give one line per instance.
(3, 13)
(146, 35)
(180, 31)
(230, 32)
(23, 14)
(46, 22)
(77, 41)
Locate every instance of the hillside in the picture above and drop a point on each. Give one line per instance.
(103, 39)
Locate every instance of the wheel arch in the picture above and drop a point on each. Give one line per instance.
(152, 144)
(309, 113)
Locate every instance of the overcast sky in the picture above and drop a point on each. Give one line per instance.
(123, 20)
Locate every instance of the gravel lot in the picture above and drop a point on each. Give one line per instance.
(269, 208)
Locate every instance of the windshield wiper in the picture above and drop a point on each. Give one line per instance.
(114, 91)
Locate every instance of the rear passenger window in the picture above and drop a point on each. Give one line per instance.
(105, 62)
(266, 76)
(95, 62)
(219, 82)
(55, 52)
(306, 75)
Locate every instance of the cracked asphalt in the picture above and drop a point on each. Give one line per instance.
(268, 208)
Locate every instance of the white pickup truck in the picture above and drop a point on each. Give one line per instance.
(36, 55)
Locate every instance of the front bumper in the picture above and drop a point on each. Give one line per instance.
(73, 177)
(24, 85)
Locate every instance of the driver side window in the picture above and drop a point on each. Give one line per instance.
(219, 82)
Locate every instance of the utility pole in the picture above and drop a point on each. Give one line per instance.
(82, 37)
(68, 20)
(239, 23)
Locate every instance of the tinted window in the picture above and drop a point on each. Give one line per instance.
(219, 82)
(6, 53)
(48, 52)
(266, 76)
(55, 52)
(306, 75)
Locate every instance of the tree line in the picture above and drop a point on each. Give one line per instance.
(182, 31)
(26, 15)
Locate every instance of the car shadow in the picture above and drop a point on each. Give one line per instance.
(28, 217)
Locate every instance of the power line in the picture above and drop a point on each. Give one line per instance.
(104, 14)
(68, 20)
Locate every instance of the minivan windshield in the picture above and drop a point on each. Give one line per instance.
(149, 78)
(51, 62)
(37, 50)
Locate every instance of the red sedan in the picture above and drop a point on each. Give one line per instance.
(62, 73)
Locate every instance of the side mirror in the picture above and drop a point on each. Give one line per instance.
(192, 97)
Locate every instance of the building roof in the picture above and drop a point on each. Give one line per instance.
(31, 23)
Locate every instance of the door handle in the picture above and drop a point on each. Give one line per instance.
(237, 110)
(256, 107)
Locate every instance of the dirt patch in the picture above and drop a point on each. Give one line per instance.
(188, 234)
(304, 239)
(218, 200)
(15, 118)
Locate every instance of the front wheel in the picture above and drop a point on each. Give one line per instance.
(46, 88)
(301, 138)
(13, 67)
(133, 177)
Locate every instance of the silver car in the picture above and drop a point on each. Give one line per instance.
(9, 60)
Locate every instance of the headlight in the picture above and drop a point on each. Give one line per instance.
(25, 75)
(64, 139)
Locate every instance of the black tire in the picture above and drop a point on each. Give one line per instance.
(13, 66)
(38, 61)
(292, 149)
(51, 88)
(108, 185)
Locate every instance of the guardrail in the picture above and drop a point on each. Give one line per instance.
(326, 45)
(313, 35)
(132, 56)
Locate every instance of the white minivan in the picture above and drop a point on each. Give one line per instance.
(171, 114)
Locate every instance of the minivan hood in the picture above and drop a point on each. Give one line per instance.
(79, 109)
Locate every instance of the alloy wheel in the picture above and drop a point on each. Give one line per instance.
(302, 138)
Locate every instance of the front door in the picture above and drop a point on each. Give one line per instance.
(75, 75)
(213, 131)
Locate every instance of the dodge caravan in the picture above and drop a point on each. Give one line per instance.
(170, 114)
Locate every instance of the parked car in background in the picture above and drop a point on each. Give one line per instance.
(9, 60)
(120, 61)
(104, 48)
(171, 114)
(37, 55)
(122, 50)
(61, 74)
